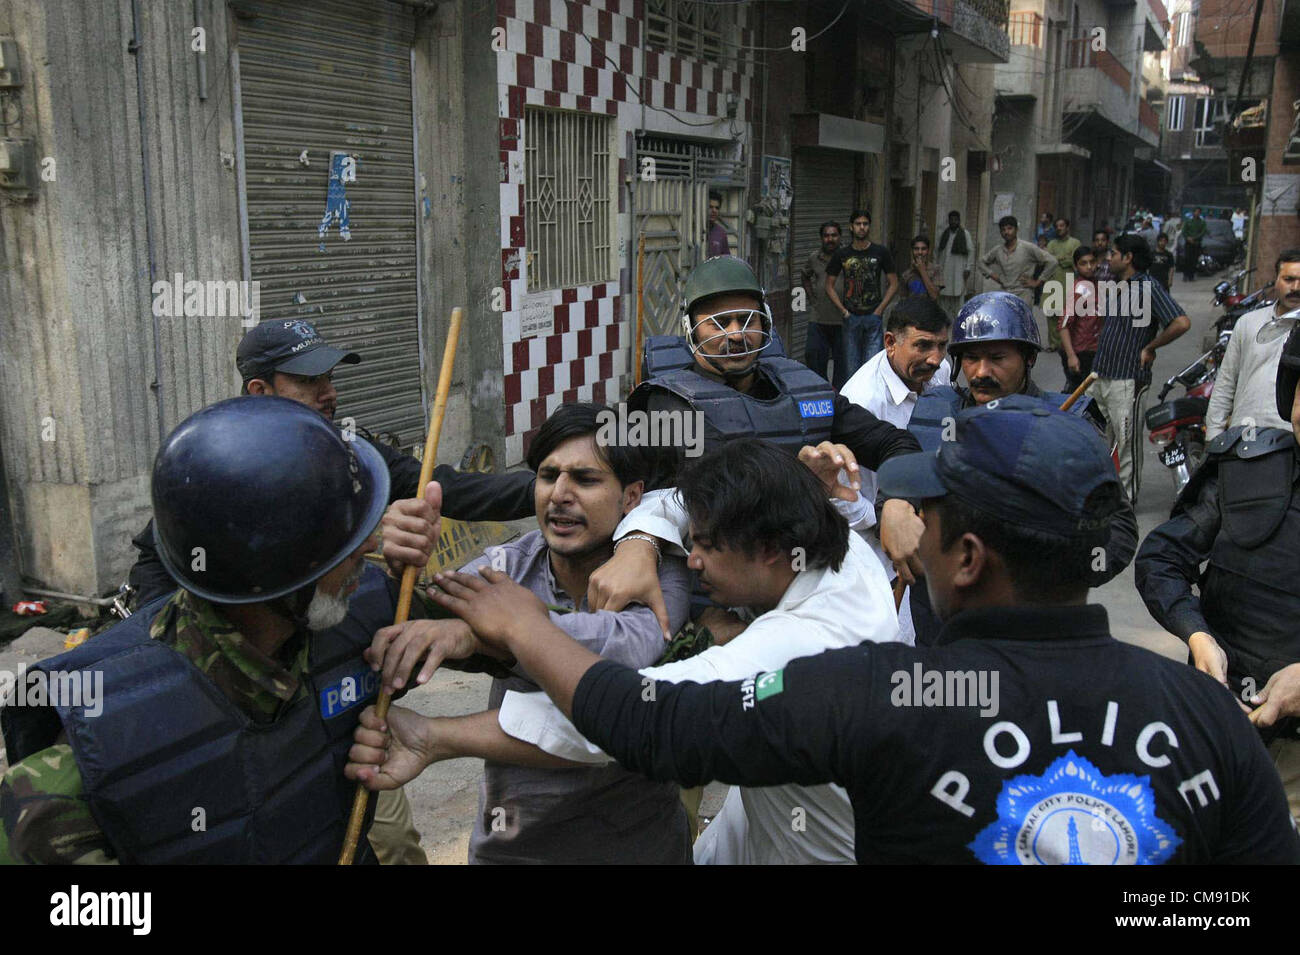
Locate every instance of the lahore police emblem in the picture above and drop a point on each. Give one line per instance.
(1074, 815)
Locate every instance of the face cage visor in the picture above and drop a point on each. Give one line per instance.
(714, 330)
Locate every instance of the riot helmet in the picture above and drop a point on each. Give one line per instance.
(718, 276)
(994, 317)
(255, 498)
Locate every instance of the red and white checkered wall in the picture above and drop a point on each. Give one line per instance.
(582, 56)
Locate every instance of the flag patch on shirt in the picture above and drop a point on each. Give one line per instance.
(813, 408)
(769, 684)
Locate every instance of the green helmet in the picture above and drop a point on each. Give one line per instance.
(718, 276)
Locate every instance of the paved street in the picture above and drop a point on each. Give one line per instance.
(444, 799)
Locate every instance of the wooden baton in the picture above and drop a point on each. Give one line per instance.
(411, 572)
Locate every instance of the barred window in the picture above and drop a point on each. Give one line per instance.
(691, 28)
(569, 199)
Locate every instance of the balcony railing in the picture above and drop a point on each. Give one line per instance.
(1079, 53)
(1025, 29)
(1147, 117)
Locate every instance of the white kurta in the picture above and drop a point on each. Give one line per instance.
(877, 387)
(820, 610)
(953, 267)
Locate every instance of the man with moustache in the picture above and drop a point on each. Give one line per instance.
(826, 324)
(529, 811)
(995, 344)
(891, 384)
(1244, 384)
(228, 707)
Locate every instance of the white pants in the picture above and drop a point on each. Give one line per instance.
(1115, 398)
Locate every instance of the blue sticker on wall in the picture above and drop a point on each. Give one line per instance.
(1074, 815)
(343, 169)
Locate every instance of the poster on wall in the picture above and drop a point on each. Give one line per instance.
(1002, 205)
(777, 196)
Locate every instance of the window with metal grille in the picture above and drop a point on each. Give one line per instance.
(1175, 113)
(691, 28)
(568, 198)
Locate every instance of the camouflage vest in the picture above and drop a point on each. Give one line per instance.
(168, 743)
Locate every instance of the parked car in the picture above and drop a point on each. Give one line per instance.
(1219, 243)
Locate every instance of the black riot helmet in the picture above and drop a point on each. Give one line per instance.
(257, 497)
(1288, 373)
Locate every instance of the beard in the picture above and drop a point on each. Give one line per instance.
(329, 610)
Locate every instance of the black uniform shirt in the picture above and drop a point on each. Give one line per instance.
(1085, 750)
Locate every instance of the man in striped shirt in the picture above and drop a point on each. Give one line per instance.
(1129, 340)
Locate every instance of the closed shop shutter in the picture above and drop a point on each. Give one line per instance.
(325, 77)
(823, 189)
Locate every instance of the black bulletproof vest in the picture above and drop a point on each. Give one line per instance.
(801, 413)
(174, 772)
(1250, 592)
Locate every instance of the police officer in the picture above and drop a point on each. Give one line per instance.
(213, 725)
(288, 358)
(1240, 517)
(988, 747)
(995, 343)
(728, 368)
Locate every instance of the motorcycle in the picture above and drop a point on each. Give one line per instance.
(1227, 293)
(1233, 310)
(1177, 427)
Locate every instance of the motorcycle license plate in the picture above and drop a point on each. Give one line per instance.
(1173, 456)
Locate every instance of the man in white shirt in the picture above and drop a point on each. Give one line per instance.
(1244, 386)
(764, 538)
(888, 386)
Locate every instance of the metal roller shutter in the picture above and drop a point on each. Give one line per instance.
(823, 189)
(330, 76)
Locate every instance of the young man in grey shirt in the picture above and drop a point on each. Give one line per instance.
(537, 814)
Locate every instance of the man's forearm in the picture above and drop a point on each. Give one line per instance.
(1171, 331)
(889, 293)
(832, 295)
(480, 736)
(554, 660)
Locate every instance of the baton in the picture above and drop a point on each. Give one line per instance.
(409, 574)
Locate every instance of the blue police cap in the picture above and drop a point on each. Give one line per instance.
(1020, 460)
